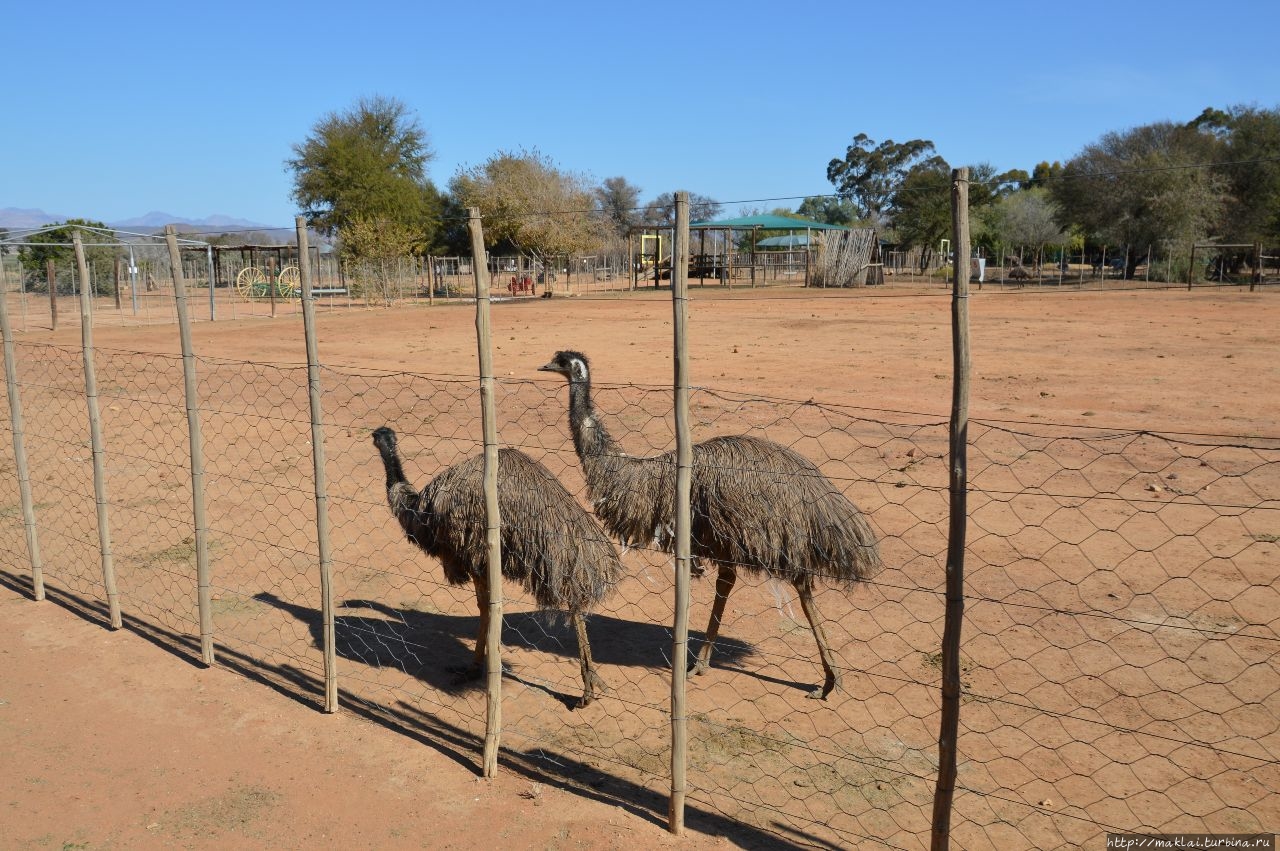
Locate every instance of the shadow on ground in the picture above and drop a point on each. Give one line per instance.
(559, 770)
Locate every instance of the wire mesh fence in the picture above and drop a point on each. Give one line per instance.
(1119, 663)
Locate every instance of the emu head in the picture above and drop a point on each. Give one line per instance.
(572, 365)
(385, 439)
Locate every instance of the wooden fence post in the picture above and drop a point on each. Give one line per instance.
(51, 275)
(493, 521)
(684, 476)
(95, 436)
(318, 461)
(200, 518)
(19, 443)
(950, 722)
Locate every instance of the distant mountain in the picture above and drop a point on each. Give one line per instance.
(14, 217)
(159, 220)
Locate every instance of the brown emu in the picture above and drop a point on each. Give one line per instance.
(757, 507)
(550, 544)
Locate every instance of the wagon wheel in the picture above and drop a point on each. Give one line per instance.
(288, 282)
(251, 282)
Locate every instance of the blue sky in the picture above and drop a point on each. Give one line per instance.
(114, 111)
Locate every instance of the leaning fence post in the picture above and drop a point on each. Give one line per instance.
(203, 598)
(493, 520)
(318, 459)
(950, 723)
(19, 443)
(95, 435)
(684, 477)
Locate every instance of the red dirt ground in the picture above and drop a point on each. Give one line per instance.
(109, 742)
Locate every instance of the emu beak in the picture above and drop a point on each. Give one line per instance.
(549, 367)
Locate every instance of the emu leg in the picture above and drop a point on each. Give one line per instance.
(724, 584)
(804, 588)
(482, 637)
(590, 679)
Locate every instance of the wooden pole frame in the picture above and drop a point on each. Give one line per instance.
(684, 478)
(51, 277)
(19, 444)
(329, 637)
(201, 521)
(950, 721)
(95, 436)
(493, 517)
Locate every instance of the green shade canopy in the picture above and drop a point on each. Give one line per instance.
(791, 240)
(768, 223)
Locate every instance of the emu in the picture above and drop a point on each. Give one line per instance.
(550, 544)
(757, 507)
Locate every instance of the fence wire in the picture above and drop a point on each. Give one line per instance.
(1119, 658)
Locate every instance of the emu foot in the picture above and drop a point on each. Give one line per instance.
(466, 673)
(593, 686)
(820, 693)
(472, 672)
(699, 666)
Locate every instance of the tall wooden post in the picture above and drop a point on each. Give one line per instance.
(631, 257)
(657, 257)
(950, 722)
(493, 518)
(204, 601)
(1191, 266)
(95, 436)
(51, 275)
(19, 444)
(684, 478)
(318, 465)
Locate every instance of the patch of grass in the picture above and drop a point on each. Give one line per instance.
(8, 512)
(235, 810)
(712, 741)
(234, 604)
(183, 552)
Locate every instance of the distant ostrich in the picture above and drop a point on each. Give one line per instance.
(757, 506)
(550, 544)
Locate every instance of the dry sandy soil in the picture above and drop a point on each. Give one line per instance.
(109, 742)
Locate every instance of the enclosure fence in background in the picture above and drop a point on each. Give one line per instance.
(1118, 666)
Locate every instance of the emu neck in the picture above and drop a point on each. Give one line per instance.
(590, 437)
(394, 469)
(401, 496)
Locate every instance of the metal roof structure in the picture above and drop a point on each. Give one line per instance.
(22, 237)
(767, 222)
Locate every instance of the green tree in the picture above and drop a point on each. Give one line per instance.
(373, 250)
(619, 203)
(869, 174)
(828, 210)
(1043, 174)
(921, 206)
(55, 244)
(527, 203)
(661, 211)
(1249, 140)
(368, 162)
(1027, 221)
(1144, 187)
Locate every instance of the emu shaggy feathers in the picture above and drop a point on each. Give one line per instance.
(756, 507)
(550, 545)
